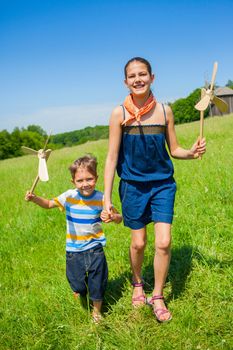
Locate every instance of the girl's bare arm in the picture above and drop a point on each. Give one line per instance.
(115, 133)
(176, 151)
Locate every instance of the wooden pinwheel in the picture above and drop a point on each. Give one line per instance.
(207, 97)
(43, 156)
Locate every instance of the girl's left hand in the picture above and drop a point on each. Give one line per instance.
(105, 216)
(199, 148)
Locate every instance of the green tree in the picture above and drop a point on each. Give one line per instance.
(36, 128)
(16, 142)
(230, 84)
(6, 149)
(184, 110)
(31, 139)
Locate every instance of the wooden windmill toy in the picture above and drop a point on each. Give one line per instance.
(208, 96)
(43, 156)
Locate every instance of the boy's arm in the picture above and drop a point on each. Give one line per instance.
(42, 202)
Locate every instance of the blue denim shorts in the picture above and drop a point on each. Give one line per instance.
(88, 272)
(145, 202)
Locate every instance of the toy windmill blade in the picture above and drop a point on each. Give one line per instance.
(28, 150)
(203, 103)
(43, 171)
(215, 68)
(47, 153)
(47, 140)
(221, 105)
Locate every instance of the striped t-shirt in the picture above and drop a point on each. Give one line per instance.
(84, 230)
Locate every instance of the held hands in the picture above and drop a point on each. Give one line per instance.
(110, 215)
(198, 148)
(105, 216)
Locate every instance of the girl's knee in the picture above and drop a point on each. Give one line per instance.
(164, 244)
(138, 246)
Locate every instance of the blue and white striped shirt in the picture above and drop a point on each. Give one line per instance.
(84, 229)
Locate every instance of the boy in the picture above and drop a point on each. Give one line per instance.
(86, 264)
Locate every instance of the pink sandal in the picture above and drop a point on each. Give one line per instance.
(141, 298)
(159, 311)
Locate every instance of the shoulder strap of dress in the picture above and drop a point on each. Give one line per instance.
(123, 108)
(164, 113)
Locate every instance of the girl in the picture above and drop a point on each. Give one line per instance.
(137, 134)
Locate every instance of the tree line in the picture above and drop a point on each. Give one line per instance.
(34, 136)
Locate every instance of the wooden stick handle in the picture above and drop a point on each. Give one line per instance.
(201, 124)
(201, 120)
(34, 184)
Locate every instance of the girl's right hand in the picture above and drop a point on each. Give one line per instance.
(198, 148)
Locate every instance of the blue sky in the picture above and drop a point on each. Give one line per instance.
(61, 62)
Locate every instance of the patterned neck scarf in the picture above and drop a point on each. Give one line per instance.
(136, 113)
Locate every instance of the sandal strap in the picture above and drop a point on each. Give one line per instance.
(137, 284)
(139, 298)
(157, 297)
(161, 311)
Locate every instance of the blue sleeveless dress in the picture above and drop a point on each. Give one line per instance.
(147, 188)
(143, 155)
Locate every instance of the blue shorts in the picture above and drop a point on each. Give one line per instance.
(88, 269)
(145, 202)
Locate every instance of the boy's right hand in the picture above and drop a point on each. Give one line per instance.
(29, 196)
(105, 216)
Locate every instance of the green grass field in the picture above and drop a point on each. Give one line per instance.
(38, 310)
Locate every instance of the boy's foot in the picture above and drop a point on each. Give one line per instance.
(96, 317)
(82, 298)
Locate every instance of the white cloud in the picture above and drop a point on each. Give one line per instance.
(63, 118)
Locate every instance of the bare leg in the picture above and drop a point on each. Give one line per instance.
(76, 295)
(136, 254)
(96, 313)
(161, 262)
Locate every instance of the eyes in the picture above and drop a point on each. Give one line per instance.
(88, 180)
(134, 75)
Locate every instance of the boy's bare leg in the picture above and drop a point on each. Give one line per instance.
(96, 312)
(161, 262)
(136, 253)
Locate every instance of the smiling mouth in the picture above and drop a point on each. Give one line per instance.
(139, 86)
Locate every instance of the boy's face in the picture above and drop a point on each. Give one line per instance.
(84, 181)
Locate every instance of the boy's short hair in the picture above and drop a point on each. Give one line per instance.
(88, 162)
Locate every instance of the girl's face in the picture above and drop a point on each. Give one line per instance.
(138, 79)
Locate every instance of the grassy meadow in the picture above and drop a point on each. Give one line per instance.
(37, 308)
